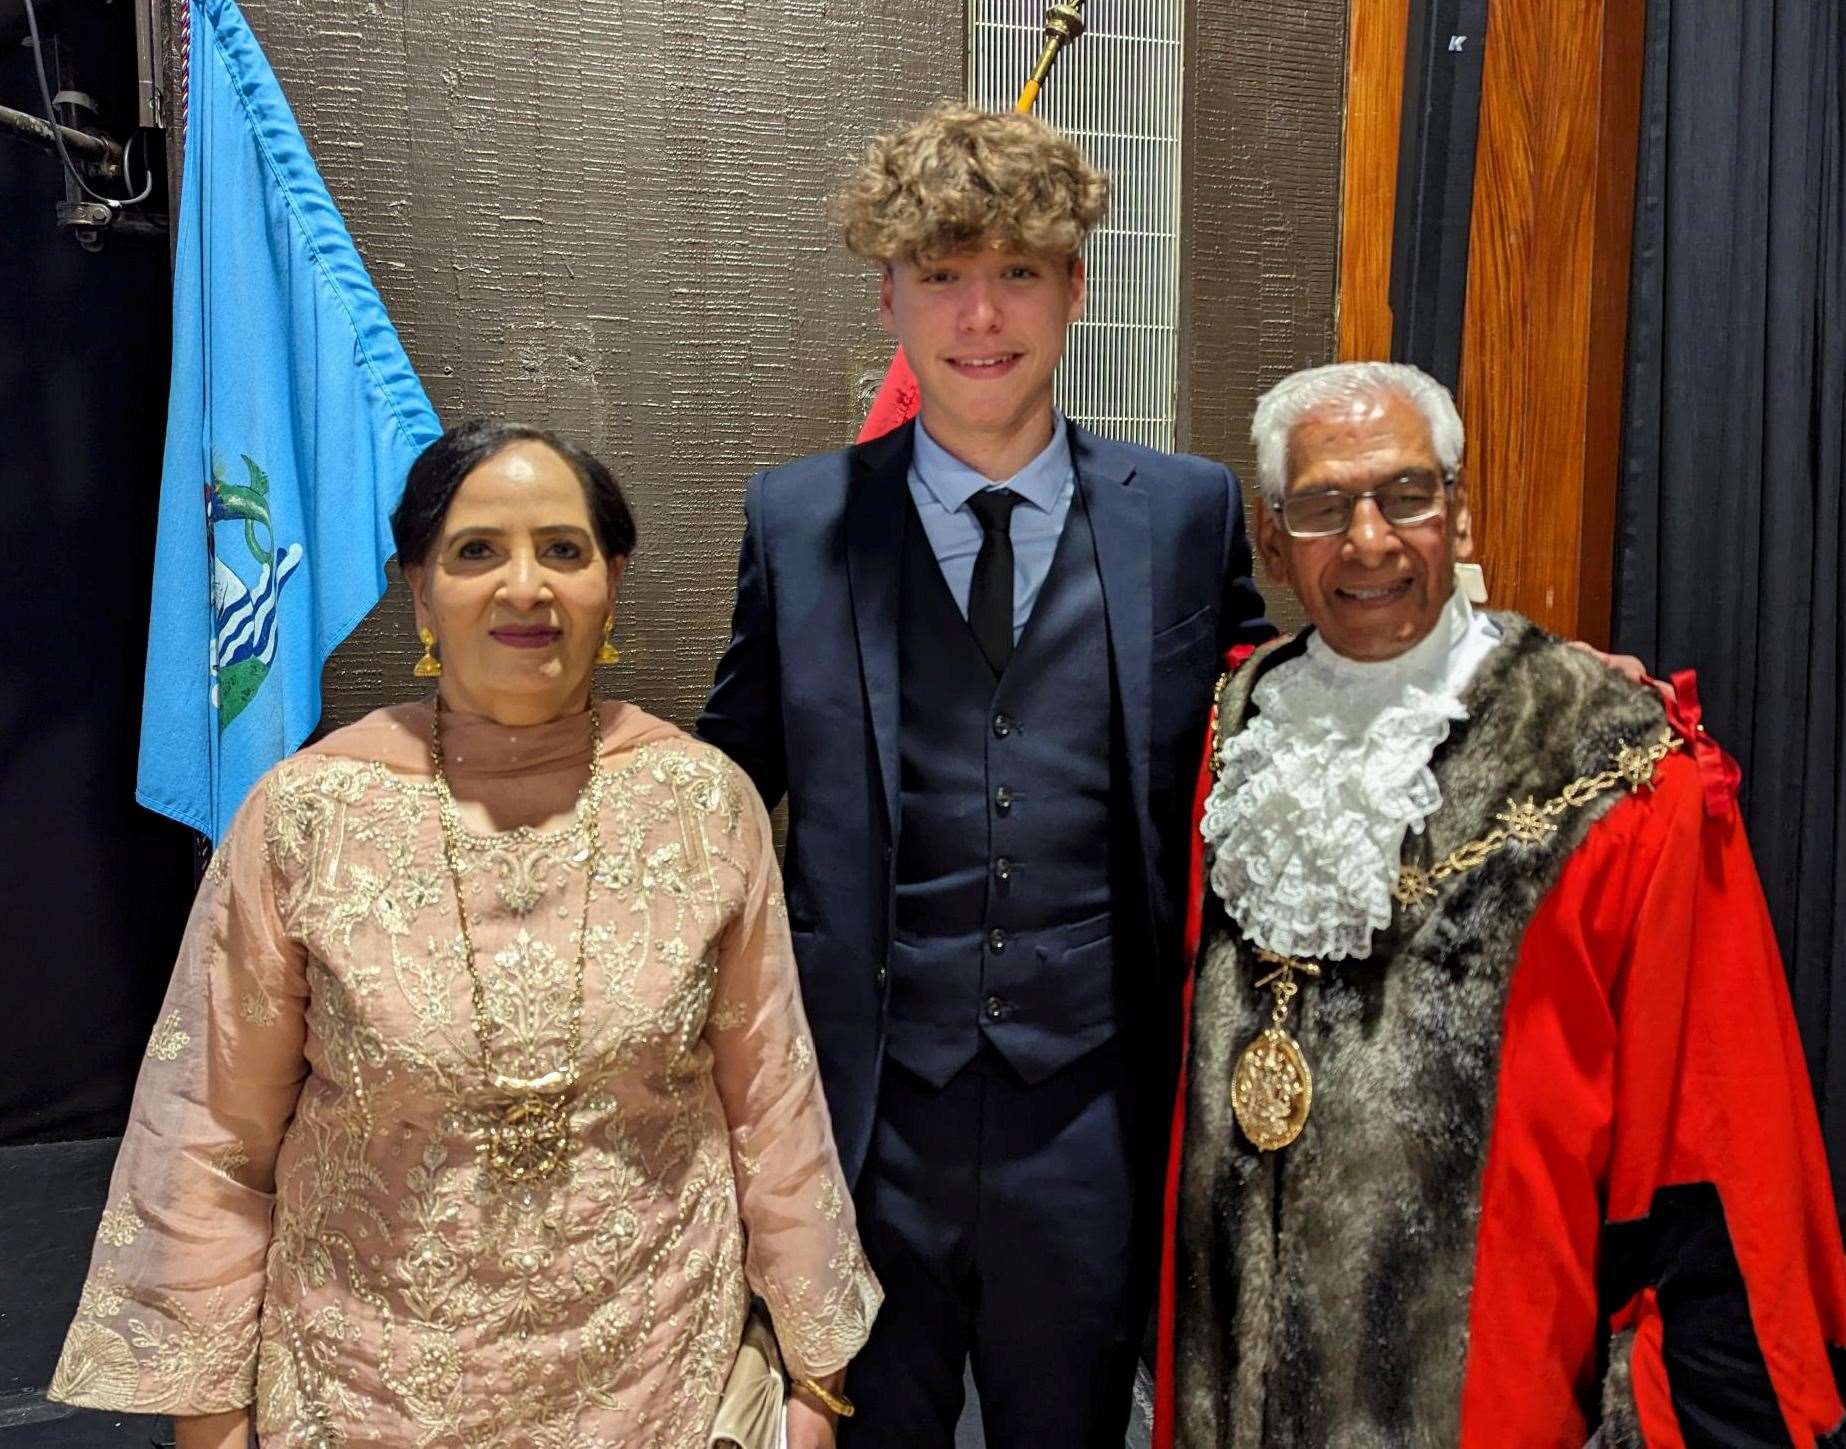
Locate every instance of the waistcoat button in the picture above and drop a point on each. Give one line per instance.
(1003, 725)
(996, 938)
(996, 1009)
(1003, 799)
(1003, 869)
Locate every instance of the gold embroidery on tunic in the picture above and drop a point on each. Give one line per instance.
(120, 1225)
(97, 1365)
(169, 1039)
(102, 1295)
(256, 1008)
(189, 1357)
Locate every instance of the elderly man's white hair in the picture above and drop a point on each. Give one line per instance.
(1302, 394)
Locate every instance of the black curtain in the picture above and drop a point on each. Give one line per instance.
(93, 889)
(1730, 548)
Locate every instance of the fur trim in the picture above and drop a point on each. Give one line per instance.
(1323, 1291)
(1621, 1420)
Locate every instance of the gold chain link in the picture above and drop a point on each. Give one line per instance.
(1217, 720)
(1529, 823)
(1281, 981)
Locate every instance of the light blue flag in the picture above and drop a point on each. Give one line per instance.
(293, 418)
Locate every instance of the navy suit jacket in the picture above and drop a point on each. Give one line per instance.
(806, 701)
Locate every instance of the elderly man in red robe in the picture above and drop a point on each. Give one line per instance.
(1496, 1129)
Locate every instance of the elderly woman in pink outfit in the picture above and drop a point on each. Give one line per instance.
(482, 1099)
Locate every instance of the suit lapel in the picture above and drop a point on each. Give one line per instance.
(1124, 559)
(874, 543)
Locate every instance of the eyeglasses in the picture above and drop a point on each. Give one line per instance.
(1406, 499)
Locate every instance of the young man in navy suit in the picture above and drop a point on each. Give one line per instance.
(977, 655)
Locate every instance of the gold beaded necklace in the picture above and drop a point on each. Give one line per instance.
(529, 1137)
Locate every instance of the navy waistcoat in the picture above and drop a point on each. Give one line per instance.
(1003, 908)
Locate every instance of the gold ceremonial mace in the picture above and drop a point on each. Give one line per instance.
(1063, 24)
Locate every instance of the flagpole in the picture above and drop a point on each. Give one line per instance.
(1063, 25)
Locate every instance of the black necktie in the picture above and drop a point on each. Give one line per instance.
(990, 595)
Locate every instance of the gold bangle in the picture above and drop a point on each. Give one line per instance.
(838, 1404)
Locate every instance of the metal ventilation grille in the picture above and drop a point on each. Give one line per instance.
(1117, 92)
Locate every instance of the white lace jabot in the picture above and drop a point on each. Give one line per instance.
(1307, 817)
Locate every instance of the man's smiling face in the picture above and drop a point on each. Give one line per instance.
(1376, 589)
(983, 331)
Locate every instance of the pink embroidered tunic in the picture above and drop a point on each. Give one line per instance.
(301, 1217)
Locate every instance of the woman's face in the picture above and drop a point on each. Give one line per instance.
(515, 589)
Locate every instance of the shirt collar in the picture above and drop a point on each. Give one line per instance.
(952, 482)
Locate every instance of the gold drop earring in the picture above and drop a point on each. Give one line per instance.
(429, 666)
(608, 654)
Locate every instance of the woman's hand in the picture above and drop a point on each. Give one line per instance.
(229, 1430)
(811, 1424)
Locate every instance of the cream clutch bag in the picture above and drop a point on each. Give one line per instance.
(753, 1409)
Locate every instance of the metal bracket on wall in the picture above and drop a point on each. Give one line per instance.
(69, 129)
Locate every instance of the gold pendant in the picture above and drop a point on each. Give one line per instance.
(1272, 1088)
(531, 1140)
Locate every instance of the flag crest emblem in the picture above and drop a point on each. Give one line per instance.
(243, 616)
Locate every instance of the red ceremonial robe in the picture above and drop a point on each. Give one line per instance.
(1652, 1096)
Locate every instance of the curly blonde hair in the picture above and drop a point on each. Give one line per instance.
(961, 178)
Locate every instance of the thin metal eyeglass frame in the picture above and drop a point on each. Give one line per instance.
(1353, 500)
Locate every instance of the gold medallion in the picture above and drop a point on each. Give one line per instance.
(1272, 1090)
(531, 1140)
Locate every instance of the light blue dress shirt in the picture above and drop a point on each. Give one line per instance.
(941, 485)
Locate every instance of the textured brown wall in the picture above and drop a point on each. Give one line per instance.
(606, 216)
(1260, 259)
